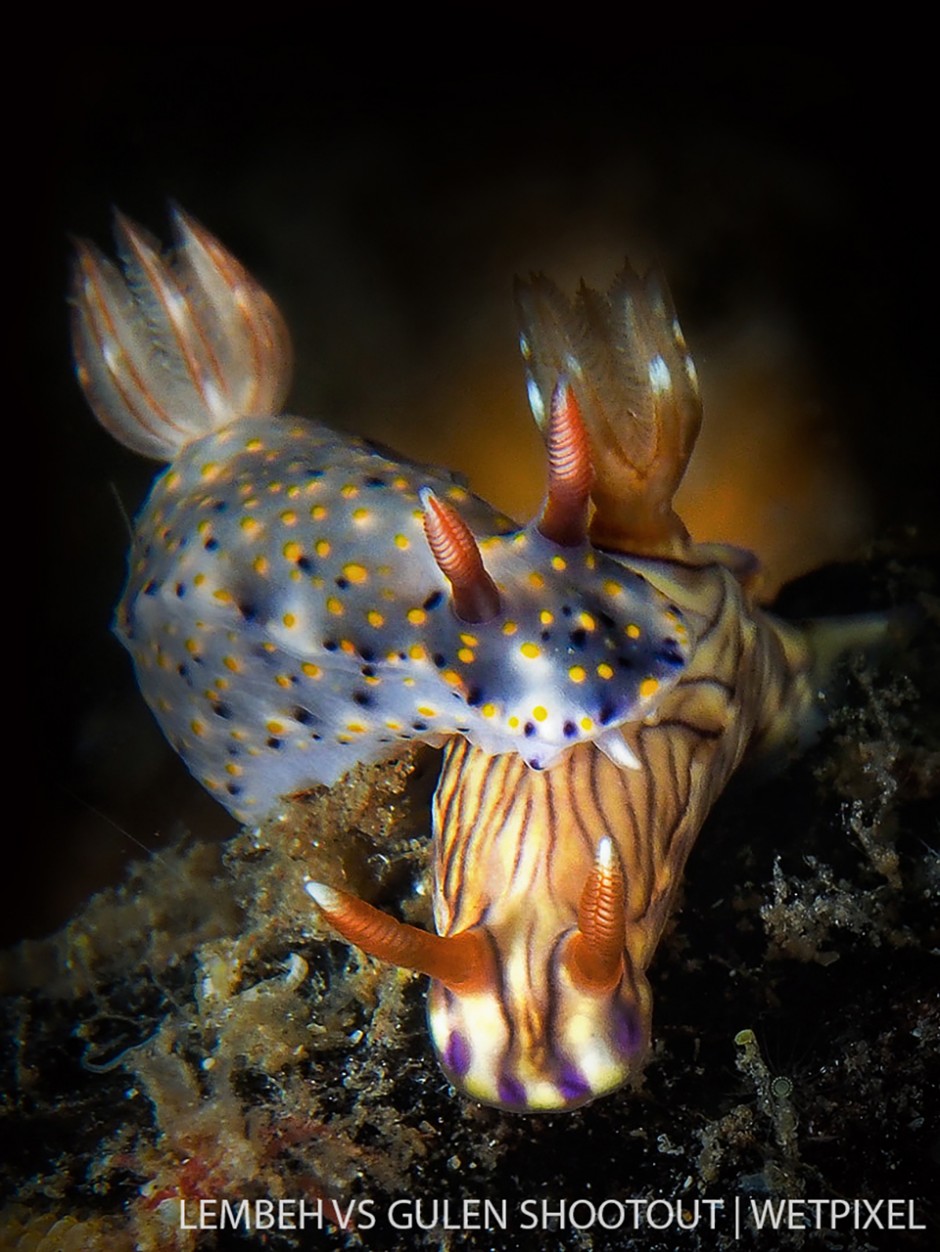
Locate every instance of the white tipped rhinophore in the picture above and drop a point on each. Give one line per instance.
(604, 856)
(324, 897)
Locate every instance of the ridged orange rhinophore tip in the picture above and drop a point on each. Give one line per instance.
(595, 951)
(453, 546)
(570, 472)
(461, 962)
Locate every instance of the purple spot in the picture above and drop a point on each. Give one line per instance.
(627, 1034)
(511, 1091)
(456, 1056)
(573, 1085)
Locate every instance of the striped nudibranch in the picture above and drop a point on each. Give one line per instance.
(298, 602)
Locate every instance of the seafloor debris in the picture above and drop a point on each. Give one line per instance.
(193, 1035)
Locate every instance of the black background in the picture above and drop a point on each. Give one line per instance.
(388, 212)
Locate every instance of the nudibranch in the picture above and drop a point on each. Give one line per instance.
(299, 602)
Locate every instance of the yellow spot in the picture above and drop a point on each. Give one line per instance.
(577, 673)
(590, 560)
(349, 490)
(451, 677)
(355, 573)
(546, 618)
(289, 517)
(318, 512)
(293, 492)
(559, 562)
(233, 769)
(612, 588)
(282, 680)
(260, 565)
(604, 670)
(232, 663)
(536, 579)
(417, 617)
(531, 650)
(457, 493)
(275, 728)
(587, 621)
(253, 445)
(311, 670)
(489, 710)
(417, 652)
(293, 550)
(360, 514)
(347, 646)
(521, 539)
(198, 728)
(586, 723)
(510, 628)
(426, 711)
(269, 647)
(513, 723)
(632, 630)
(199, 580)
(399, 483)
(334, 606)
(223, 596)
(275, 488)
(375, 618)
(470, 640)
(209, 471)
(467, 655)
(540, 713)
(222, 684)
(289, 620)
(172, 480)
(356, 728)
(322, 547)
(648, 687)
(402, 541)
(250, 525)
(407, 682)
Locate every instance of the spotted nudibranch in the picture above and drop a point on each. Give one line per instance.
(298, 602)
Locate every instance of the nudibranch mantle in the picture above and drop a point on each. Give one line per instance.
(299, 602)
